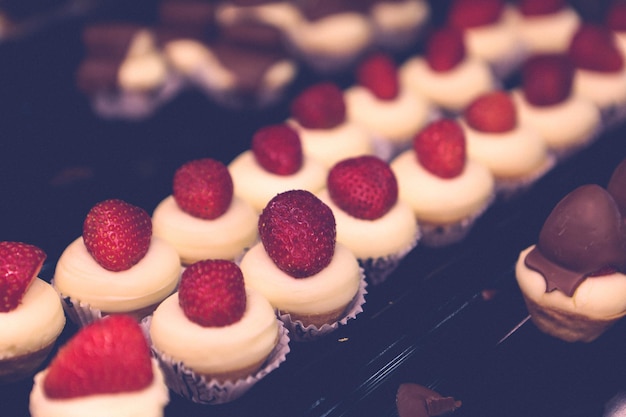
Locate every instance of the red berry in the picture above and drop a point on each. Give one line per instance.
(320, 106)
(547, 79)
(298, 233)
(440, 148)
(19, 265)
(107, 356)
(379, 74)
(277, 148)
(117, 234)
(445, 49)
(616, 16)
(364, 187)
(212, 293)
(492, 112)
(203, 188)
(540, 7)
(593, 47)
(464, 14)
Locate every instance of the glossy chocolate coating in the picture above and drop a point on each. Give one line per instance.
(617, 187)
(413, 400)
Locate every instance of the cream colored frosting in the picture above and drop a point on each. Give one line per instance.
(493, 42)
(437, 200)
(330, 289)
(148, 402)
(36, 322)
(394, 120)
(393, 233)
(212, 350)
(283, 15)
(398, 18)
(144, 67)
(330, 146)
(518, 153)
(620, 39)
(151, 280)
(550, 33)
(601, 297)
(564, 125)
(451, 90)
(258, 186)
(225, 237)
(605, 89)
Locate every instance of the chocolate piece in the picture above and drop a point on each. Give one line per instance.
(617, 187)
(319, 9)
(110, 39)
(413, 400)
(582, 235)
(191, 18)
(250, 33)
(94, 75)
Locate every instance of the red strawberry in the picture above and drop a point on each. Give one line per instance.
(547, 79)
(616, 16)
(203, 188)
(379, 74)
(107, 356)
(440, 148)
(19, 265)
(492, 112)
(277, 148)
(593, 47)
(364, 187)
(465, 14)
(117, 234)
(445, 49)
(298, 233)
(320, 106)
(212, 293)
(540, 7)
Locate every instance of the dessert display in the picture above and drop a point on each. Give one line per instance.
(446, 190)
(117, 265)
(314, 282)
(572, 280)
(104, 368)
(275, 163)
(215, 337)
(202, 218)
(362, 192)
(414, 400)
(31, 315)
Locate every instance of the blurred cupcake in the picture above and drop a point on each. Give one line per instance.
(130, 271)
(31, 314)
(313, 282)
(202, 218)
(215, 338)
(398, 24)
(362, 192)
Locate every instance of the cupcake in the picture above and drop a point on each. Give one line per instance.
(573, 279)
(275, 163)
(105, 369)
(398, 24)
(514, 152)
(215, 338)
(31, 315)
(445, 74)
(319, 116)
(202, 218)
(313, 282)
(545, 101)
(102, 272)
(387, 110)
(362, 192)
(446, 190)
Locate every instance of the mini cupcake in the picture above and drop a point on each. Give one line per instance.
(105, 369)
(446, 190)
(130, 271)
(215, 338)
(275, 163)
(398, 24)
(313, 282)
(319, 116)
(203, 219)
(514, 152)
(389, 111)
(573, 279)
(362, 192)
(31, 314)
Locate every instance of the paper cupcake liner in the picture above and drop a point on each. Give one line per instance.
(300, 333)
(563, 154)
(377, 270)
(186, 383)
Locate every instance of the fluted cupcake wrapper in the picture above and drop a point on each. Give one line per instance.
(377, 270)
(197, 388)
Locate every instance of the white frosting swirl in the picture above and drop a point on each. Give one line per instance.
(546, 33)
(605, 89)
(493, 42)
